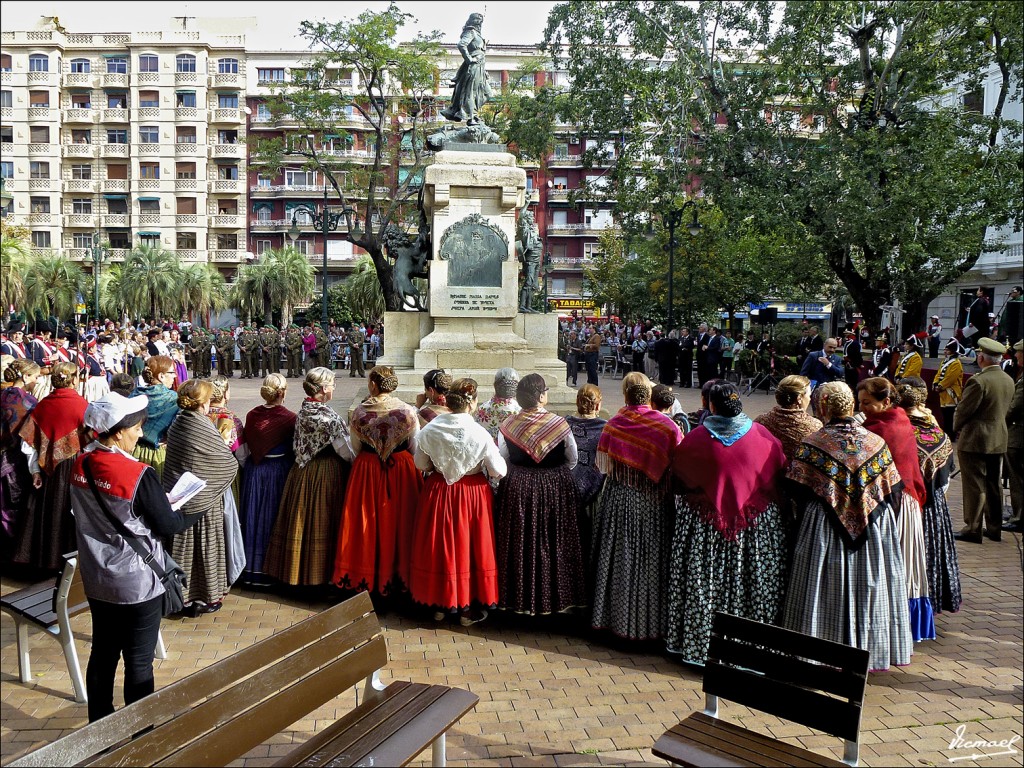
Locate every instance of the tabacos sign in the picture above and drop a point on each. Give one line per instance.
(567, 305)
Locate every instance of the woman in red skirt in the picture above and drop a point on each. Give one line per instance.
(375, 536)
(453, 558)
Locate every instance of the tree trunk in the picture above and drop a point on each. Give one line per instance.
(385, 276)
(916, 316)
(268, 310)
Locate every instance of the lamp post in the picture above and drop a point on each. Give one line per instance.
(326, 221)
(672, 218)
(99, 253)
(547, 270)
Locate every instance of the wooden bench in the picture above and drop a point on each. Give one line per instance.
(813, 682)
(49, 606)
(221, 712)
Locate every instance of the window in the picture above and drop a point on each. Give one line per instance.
(117, 65)
(270, 75)
(117, 135)
(37, 170)
(559, 218)
(117, 100)
(185, 99)
(81, 136)
(227, 207)
(81, 100)
(301, 215)
(557, 251)
(39, 134)
(558, 286)
(975, 101)
(561, 151)
(299, 178)
(40, 239)
(187, 241)
(80, 66)
(81, 171)
(263, 114)
(227, 66)
(149, 134)
(227, 101)
(5, 62)
(151, 241)
(185, 62)
(302, 246)
(7, 134)
(227, 242)
(262, 246)
(81, 205)
(560, 182)
(120, 205)
(39, 205)
(185, 205)
(264, 182)
(228, 173)
(263, 213)
(39, 98)
(149, 170)
(149, 206)
(6, 99)
(37, 62)
(149, 62)
(7, 169)
(149, 98)
(227, 137)
(82, 240)
(185, 170)
(117, 171)
(185, 135)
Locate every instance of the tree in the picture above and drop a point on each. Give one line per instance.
(825, 124)
(153, 281)
(320, 100)
(337, 306)
(363, 292)
(297, 280)
(279, 278)
(202, 289)
(14, 261)
(53, 285)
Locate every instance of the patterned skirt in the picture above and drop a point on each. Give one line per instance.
(46, 532)
(200, 551)
(708, 573)
(262, 488)
(857, 597)
(303, 538)
(915, 565)
(629, 557)
(154, 457)
(15, 490)
(540, 558)
(374, 540)
(940, 549)
(453, 558)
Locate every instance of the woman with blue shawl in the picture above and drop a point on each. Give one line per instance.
(159, 376)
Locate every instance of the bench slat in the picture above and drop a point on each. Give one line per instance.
(32, 605)
(796, 643)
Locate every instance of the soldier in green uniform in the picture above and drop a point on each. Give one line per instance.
(246, 342)
(323, 348)
(225, 352)
(355, 345)
(207, 353)
(195, 351)
(269, 349)
(293, 345)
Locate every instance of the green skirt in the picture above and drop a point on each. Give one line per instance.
(155, 457)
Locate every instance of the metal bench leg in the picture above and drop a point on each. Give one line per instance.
(851, 752)
(67, 644)
(24, 659)
(710, 705)
(372, 686)
(161, 650)
(438, 752)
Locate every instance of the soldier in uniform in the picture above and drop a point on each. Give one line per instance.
(206, 351)
(355, 345)
(195, 351)
(246, 342)
(293, 344)
(323, 348)
(266, 339)
(225, 352)
(881, 358)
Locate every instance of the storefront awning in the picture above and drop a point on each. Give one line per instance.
(148, 199)
(114, 197)
(149, 234)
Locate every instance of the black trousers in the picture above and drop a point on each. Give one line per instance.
(591, 359)
(121, 630)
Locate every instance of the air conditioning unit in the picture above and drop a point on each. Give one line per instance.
(574, 139)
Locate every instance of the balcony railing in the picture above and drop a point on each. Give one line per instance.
(79, 115)
(79, 220)
(113, 80)
(228, 185)
(234, 256)
(149, 113)
(147, 149)
(39, 113)
(186, 148)
(149, 218)
(41, 184)
(304, 188)
(186, 218)
(181, 78)
(39, 149)
(227, 150)
(226, 80)
(147, 78)
(113, 150)
(114, 185)
(80, 185)
(578, 229)
(39, 217)
(80, 150)
(115, 115)
(79, 80)
(114, 220)
(231, 221)
(184, 184)
(227, 115)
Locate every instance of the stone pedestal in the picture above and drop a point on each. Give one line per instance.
(473, 327)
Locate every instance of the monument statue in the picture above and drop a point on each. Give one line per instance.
(472, 90)
(529, 249)
(410, 256)
(474, 249)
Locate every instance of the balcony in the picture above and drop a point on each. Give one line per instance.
(147, 78)
(119, 220)
(79, 115)
(182, 219)
(184, 185)
(579, 229)
(183, 78)
(227, 220)
(564, 161)
(226, 80)
(190, 255)
(80, 220)
(149, 218)
(113, 80)
(148, 113)
(79, 80)
(40, 217)
(147, 149)
(36, 185)
(227, 150)
(113, 150)
(303, 189)
(559, 195)
(227, 185)
(114, 185)
(40, 113)
(80, 150)
(115, 115)
(266, 225)
(7, 113)
(148, 183)
(39, 149)
(186, 148)
(188, 113)
(42, 78)
(80, 185)
(226, 115)
(230, 256)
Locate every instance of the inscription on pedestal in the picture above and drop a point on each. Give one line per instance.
(474, 301)
(474, 249)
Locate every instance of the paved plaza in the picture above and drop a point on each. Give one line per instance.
(552, 693)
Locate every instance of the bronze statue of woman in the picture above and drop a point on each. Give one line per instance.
(472, 90)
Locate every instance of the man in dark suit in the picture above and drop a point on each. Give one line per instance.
(686, 345)
(1014, 443)
(977, 318)
(980, 422)
(714, 354)
(803, 346)
(815, 343)
(825, 365)
(701, 350)
(852, 358)
(666, 352)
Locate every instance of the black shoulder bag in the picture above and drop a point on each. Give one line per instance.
(172, 577)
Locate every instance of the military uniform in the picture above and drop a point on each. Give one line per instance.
(207, 355)
(323, 348)
(195, 352)
(355, 345)
(225, 353)
(246, 345)
(293, 345)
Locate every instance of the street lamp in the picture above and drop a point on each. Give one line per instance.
(547, 270)
(326, 221)
(672, 218)
(99, 253)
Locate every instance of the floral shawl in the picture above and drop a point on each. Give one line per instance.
(266, 428)
(535, 432)
(316, 427)
(935, 451)
(790, 426)
(637, 439)
(851, 472)
(15, 404)
(383, 423)
(160, 412)
(431, 411)
(491, 414)
(56, 427)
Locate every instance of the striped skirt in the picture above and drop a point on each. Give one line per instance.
(910, 528)
(201, 552)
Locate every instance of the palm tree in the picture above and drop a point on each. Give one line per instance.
(53, 284)
(115, 291)
(362, 289)
(155, 280)
(202, 289)
(14, 262)
(297, 278)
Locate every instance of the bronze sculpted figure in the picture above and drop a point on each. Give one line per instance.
(529, 248)
(472, 90)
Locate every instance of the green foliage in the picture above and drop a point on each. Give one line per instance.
(363, 293)
(52, 285)
(337, 306)
(279, 278)
(14, 261)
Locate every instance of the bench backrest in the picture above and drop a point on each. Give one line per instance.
(69, 587)
(810, 681)
(219, 713)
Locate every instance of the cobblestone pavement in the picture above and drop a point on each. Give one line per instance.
(551, 693)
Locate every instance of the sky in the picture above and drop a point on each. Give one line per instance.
(506, 21)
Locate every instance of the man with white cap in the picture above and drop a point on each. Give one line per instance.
(980, 424)
(112, 493)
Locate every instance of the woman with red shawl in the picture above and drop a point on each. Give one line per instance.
(55, 431)
(540, 555)
(268, 432)
(729, 548)
(631, 528)
(882, 415)
(375, 535)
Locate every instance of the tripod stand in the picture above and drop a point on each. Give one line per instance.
(765, 378)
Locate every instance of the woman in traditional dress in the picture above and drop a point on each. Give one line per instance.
(16, 401)
(176, 351)
(194, 445)
(492, 413)
(303, 539)
(231, 429)
(268, 432)
(375, 536)
(55, 432)
(632, 528)
(540, 556)
(664, 400)
(882, 415)
(586, 431)
(729, 547)
(935, 452)
(472, 90)
(789, 420)
(454, 568)
(160, 412)
(846, 580)
(949, 383)
(430, 402)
